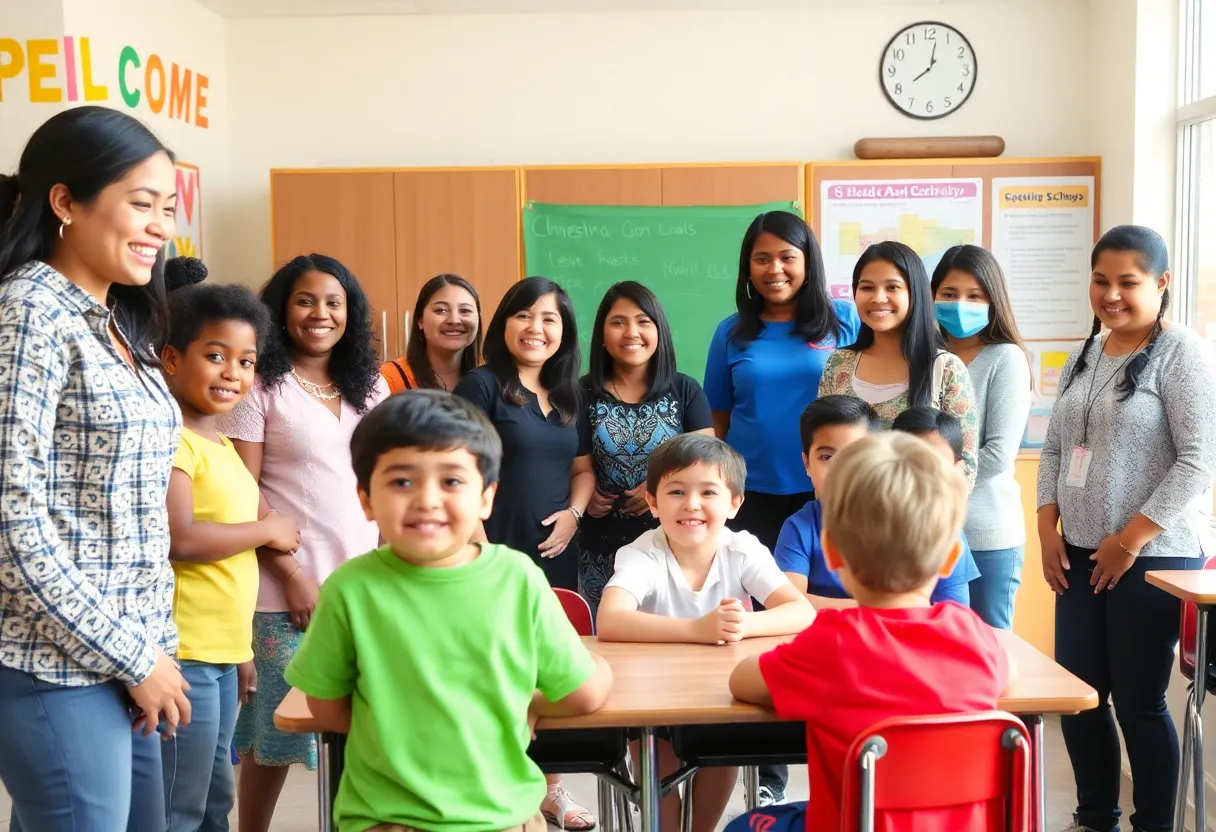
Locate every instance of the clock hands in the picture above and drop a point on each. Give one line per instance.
(932, 61)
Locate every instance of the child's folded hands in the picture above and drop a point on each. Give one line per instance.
(724, 625)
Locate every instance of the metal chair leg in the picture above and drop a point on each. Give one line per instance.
(686, 805)
(1197, 772)
(624, 812)
(1184, 766)
(604, 804)
(751, 787)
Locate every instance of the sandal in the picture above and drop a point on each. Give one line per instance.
(560, 810)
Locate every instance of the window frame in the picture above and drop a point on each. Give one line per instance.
(1193, 112)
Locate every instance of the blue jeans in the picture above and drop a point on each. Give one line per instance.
(993, 591)
(1121, 642)
(200, 787)
(70, 761)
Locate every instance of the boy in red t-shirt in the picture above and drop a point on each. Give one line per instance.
(891, 528)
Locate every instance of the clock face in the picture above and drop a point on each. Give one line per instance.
(928, 70)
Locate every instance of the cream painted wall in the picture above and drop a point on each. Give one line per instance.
(23, 21)
(623, 87)
(179, 31)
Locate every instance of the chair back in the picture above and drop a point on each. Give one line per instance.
(577, 610)
(1186, 632)
(908, 765)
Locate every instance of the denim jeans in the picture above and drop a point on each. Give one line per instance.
(200, 787)
(1121, 642)
(993, 591)
(70, 761)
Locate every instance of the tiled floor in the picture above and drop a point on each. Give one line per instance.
(297, 810)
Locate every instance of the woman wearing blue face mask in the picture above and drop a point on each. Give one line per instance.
(976, 317)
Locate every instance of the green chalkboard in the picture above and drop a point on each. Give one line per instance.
(689, 257)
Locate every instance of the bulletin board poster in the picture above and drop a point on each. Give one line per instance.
(188, 238)
(1042, 234)
(1046, 363)
(927, 215)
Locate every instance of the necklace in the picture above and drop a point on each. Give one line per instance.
(323, 392)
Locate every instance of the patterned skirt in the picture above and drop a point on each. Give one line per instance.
(275, 640)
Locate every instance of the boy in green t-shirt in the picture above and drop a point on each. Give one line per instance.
(436, 654)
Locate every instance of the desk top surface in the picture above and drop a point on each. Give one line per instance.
(686, 684)
(1195, 585)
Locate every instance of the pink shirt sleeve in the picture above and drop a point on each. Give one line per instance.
(247, 421)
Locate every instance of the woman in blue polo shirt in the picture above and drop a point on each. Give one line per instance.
(765, 361)
(763, 369)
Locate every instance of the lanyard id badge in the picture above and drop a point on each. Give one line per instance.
(1078, 466)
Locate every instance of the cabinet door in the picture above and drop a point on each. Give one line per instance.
(457, 221)
(347, 216)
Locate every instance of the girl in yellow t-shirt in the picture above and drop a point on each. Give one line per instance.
(217, 521)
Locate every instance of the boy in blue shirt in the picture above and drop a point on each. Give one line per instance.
(829, 425)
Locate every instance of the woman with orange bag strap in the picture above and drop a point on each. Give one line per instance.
(447, 340)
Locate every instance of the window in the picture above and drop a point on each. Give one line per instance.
(1204, 225)
(1207, 36)
(1195, 261)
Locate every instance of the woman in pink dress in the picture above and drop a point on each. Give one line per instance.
(315, 382)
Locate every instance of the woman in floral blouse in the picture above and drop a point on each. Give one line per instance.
(899, 359)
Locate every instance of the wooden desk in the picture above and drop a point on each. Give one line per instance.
(1198, 587)
(657, 685)
(1195, 585)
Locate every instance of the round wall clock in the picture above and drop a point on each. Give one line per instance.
(927, 70)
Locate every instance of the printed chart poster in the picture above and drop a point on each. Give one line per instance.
(1046, 362)
(188, 238)
(927, 215)
(1042, 233)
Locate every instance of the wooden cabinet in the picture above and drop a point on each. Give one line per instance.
(396, 229)
(347, 216)
(456, 221)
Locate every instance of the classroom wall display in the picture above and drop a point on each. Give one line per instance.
(927, 215)
(1042, 233)
(142, 80)
(1047, 360)
(1039, 216)
(188, 237)
(689, 257)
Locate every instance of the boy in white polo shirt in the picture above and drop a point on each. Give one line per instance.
(690, 580)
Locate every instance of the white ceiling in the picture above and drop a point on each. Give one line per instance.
(320, 8)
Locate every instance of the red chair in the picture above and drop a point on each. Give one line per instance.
(1192, 724)
(1186, 633)
(587, 751)
(906, 765)
(577, 610)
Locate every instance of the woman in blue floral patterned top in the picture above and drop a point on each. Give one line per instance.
(634, 401)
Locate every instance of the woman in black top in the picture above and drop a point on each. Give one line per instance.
(634, 401)
(529, 389)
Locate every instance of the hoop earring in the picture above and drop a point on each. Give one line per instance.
(747, 289)
(64, 223)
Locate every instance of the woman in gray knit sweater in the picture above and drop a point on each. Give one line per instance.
(1129, 457)
(972, 306)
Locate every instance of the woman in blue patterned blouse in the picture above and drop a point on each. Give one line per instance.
(87, 436)
(634, 401)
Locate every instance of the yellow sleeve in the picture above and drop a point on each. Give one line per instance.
(186, 458)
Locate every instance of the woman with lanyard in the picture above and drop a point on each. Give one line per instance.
(88, 432)
(763, 369)
(1129, 455)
